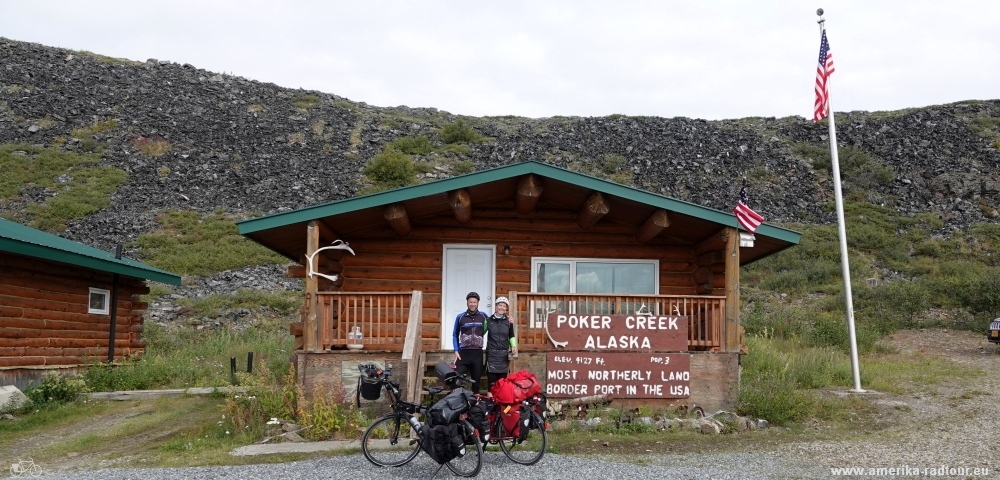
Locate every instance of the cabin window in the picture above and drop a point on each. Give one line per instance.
(99, 300)
(590, 276)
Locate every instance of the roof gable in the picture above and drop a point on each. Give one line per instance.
(349, 205)
(27, 241)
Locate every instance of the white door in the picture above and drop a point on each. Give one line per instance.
(466, 268)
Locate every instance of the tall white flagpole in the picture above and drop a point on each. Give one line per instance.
(842, 233)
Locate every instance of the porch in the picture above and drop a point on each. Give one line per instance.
(394, 330)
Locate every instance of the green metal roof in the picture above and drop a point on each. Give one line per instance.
(500, 173)
(27, 241)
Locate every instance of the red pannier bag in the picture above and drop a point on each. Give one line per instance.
(511, 417)
(517, 387)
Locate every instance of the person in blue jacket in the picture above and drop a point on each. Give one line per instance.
(468, 341)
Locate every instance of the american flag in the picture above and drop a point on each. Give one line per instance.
(748, 218)
(823, 71)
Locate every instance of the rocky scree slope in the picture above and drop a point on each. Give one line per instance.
(246, 147)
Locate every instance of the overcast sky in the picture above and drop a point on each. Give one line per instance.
(704, 59)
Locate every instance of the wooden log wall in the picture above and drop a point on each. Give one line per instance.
(44, 319)
(386, 262)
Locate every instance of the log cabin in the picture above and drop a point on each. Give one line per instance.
(60, 300)
(591, 268)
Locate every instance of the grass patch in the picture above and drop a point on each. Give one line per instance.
(81, 186)
(152, 146)
(167, 432)
(186, 357)
(305, 102)
(89, 131)
(212, 306)
(412, 145)
(189, 243)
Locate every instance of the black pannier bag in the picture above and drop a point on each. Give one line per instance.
(442, 442)
(448, 409)
(477, 417)
(369, 384)
(524, 423)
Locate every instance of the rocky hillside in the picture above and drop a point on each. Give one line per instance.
(193, 139)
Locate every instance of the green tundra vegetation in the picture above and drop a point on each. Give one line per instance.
(71, 185)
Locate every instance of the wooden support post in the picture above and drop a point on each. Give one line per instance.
(656, 223)
(396, 215)
(593, 209)
(412, 348)
(529, 191)
(309, 328)
(732, 253)
(461, 205)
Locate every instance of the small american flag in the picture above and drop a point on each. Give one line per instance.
(823, 71)
(748, 218)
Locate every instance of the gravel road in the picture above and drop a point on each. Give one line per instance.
(495, 466)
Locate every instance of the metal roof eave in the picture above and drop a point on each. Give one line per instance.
(125, 267)
(501, 173)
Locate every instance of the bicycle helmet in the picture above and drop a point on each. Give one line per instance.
(503, 300)
(472, 295)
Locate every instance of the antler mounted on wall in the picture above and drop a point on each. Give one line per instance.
(337, 245)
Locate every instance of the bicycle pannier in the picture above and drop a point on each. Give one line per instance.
(477, 417)
(369, 385)
(510, 415)
(442, 442)
(524, 422)
(448, 409)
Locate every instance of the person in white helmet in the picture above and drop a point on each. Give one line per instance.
(500, 339)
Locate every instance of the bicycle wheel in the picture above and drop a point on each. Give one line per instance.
(387, 442)
(468, 465)
(530, 450)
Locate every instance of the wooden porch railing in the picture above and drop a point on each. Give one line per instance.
(706, 314)
(382, 316)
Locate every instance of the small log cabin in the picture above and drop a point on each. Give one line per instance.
(590, 267)
(56, 299)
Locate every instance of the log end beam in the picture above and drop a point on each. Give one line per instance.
(593, 209)
(461, 205)
(529, 191)
(398, 219)
(656, 223)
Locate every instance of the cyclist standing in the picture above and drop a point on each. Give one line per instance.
(500, 339)
(468, 341)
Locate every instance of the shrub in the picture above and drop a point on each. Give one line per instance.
(412, 145)
(330, 413)
(248, 413)
(459, 132)
(391, 169)
(56, 389)
(462, 167)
